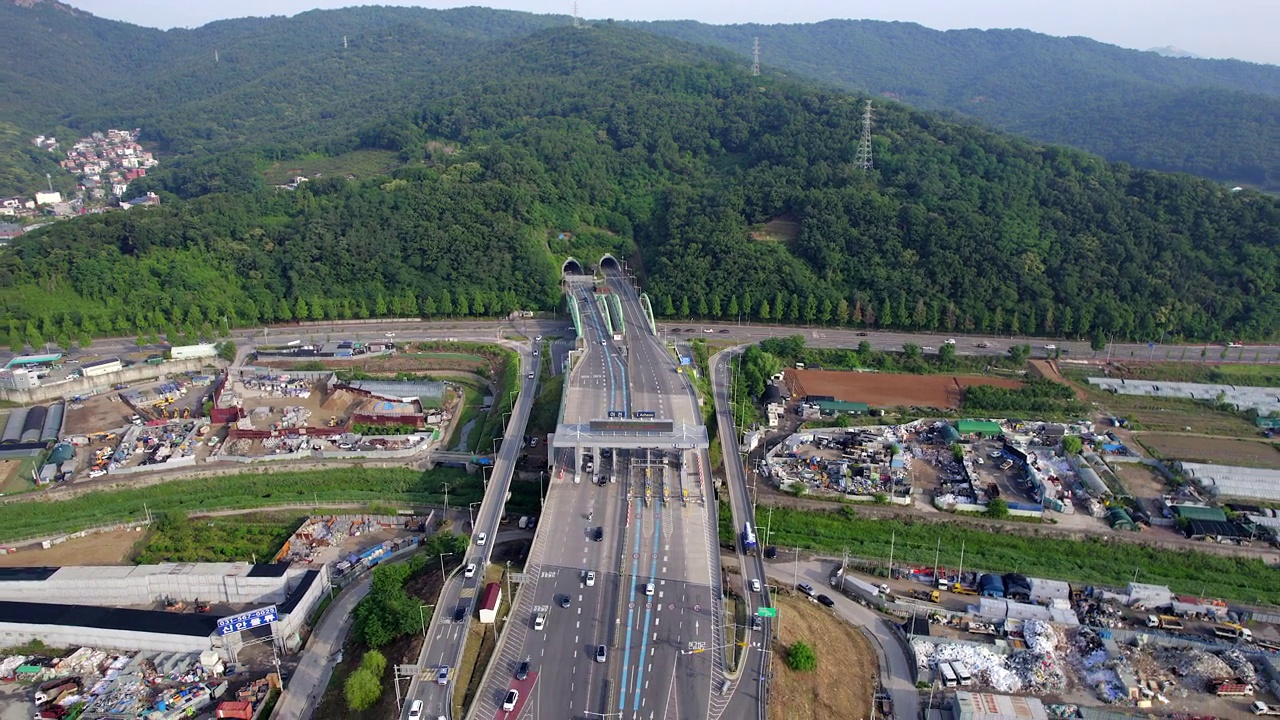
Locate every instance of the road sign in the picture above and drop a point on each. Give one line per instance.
(767, 612)
(244, 621)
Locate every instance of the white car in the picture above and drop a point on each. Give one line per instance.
(707, 330)
(390, 334)
(535, 352)
(648, 589)
(927, 348)
(481, 538)
(539, 622)
(470, 572)
(1235, 345)
(537, 338)
(513, 697)
(601, 653)
(591, 578)
(755, 585)
(530, 376)
(415, 711)
(1050, 346)
(951, 341)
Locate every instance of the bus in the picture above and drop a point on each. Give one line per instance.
(748, 539)
(947, 675)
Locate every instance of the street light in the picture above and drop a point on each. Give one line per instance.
(442, 557)
(423, 618)
(471, 515)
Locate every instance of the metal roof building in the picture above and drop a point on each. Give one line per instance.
(1228, 481)
(28, 360)
(974, 427)
(986, 706)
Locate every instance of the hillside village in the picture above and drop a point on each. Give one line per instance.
(103, 163)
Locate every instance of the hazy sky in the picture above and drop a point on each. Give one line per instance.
(1244, 29)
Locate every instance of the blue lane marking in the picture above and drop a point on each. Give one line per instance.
(648, 613)
(626, 654)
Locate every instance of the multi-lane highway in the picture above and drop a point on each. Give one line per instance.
(652, 598)
(455, 609)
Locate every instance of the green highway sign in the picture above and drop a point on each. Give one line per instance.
(767, 612)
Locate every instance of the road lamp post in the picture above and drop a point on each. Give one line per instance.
(442, 557)
(423, 618)
(471, 514)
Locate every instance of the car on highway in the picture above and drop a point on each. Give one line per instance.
(535, 352)
(826, 600)
(537, 338)
(676, 330)
(539, 622)
(927, 348)
(1235, 344)
(707, 330)
(389, 334)
(755, 585)
(601, 653)
(530, 376)
(481, 538)
(415, 710)
(724, 331)
(862, 334)
(1050, 346)
(470, 572)
(805, 588)
(442, 675)
(460, 614)
(599, 533)
(513, 697)
(648, 589)
(602, 341)
(590, 578)
(565, 600)
(984, 344)
(755, 622)
(522, 670)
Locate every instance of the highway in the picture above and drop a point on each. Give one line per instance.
(446, 637)
(659, 658)
(755, 664)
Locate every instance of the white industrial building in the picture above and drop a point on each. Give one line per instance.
(124, 607)
(101, 367)
(189, 352)
(1228, 481)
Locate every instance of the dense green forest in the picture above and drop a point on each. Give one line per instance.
(612, 133)
(290, 85)
(1214, 118)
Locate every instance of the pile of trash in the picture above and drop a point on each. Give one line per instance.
(1241, 668)
(1197, 668)
(1038, 665)
(987, 667)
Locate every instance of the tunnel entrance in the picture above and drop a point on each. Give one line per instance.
(571, 267)
(609, 263)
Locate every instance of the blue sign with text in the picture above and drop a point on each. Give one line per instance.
(244, 621)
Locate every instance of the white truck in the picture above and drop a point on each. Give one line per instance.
(1261, 708)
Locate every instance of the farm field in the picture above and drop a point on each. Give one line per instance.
(1222, 451)
(1167, 415)
(1260, 375)
(891, 389)
(108, 548)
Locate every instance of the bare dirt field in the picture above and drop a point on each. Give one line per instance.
(109, 548)
(1048, 370)
(890, 389)
(96, 414)
(1212, 450)
(831, 690)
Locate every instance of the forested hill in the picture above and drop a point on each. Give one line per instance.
(1215, 118)
(633, 144)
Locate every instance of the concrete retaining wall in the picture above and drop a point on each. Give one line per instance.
(101, 383)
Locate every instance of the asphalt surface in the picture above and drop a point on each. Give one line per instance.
(652, 533)
(446, 638)
(751, 696)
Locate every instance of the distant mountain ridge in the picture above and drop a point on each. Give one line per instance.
(292, 83)
(1215, 118)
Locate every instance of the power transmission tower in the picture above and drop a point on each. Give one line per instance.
(215, 56)
(864, 146)
(344, 42)
(575, 14)
(755, 57)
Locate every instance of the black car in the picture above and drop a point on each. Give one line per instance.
(599, 533)
(755, 623)
(862, 334)
(564, 601)
(460, 614)
(522, 670)
(771, 552)
(826, 600)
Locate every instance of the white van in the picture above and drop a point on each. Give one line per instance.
(415, 710)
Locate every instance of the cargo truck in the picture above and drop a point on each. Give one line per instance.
(1232, 631)
(1164, 622)
(929, 595)
(1233, 689)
